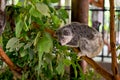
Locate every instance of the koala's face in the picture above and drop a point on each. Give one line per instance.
(64, 35)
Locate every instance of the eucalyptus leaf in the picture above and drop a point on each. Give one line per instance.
(29, 20)
(56, 20)
(75, 69)
(1, 41)
(26, 27)
(18, 28)
(51, 66)
(25, 23)
(118, 47)
(45, 44)
(62, 13)
(60, 68)
(37, 38)
(31, 54)
(18, 46)
(28, 45)
(119, 57)
(23, 53)
(12, 42)
(43, 9)
(34, 12)
(67, 62)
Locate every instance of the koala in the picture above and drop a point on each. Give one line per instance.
(75, 34)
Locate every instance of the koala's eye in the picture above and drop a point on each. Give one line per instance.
(66, 32)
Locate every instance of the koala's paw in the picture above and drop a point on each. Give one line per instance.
(80, 55)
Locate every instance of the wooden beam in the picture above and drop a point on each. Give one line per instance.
(113, 41)
(80, 11)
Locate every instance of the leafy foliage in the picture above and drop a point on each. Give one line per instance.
(29, 45)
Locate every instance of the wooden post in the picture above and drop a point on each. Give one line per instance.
(113, 41)
(80, 14)
(80, 11)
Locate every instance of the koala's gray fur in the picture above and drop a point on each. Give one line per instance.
(88, 39)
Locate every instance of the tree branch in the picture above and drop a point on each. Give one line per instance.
(98, 68)
(15, 69)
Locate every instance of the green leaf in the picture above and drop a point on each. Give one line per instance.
(60, 68)
(19, 45)
(18, 28)
(56, 20)
(67, 62)
(29, 20)
(43, 9)
(12, 42)
(34, 12)
(45, 44)
(26, 27)
(1, 41)
(119, 56)
(31, 54)
(37, 38)
(23, 53)
(63, 13)
(118, 47)
(28, 45)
